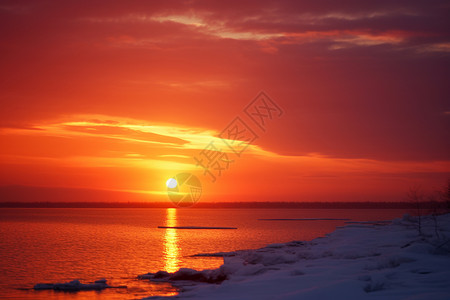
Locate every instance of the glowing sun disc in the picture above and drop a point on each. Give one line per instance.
(171, 183)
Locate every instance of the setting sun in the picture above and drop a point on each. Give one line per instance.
(171, 183)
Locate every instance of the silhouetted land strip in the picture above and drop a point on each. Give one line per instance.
(306, 219)
(250, 205)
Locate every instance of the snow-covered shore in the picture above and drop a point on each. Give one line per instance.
(381, 260)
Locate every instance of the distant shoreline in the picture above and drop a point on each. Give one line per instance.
(249, 205)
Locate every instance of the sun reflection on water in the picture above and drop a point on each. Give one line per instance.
(171, 249)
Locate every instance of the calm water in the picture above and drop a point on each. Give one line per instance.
(59, 245)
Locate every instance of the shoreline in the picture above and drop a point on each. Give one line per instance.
(381, 260)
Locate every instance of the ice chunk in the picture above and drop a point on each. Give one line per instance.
(186, 274)
(75, 285)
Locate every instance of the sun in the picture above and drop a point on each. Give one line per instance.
(171, 183)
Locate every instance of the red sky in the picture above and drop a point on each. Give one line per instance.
(120, 96)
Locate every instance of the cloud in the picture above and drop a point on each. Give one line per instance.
(355, 76)
(166, 137)
(437, 47)
(270, 21)
(188, 140)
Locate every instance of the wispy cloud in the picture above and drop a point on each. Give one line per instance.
(342, 38)
(435, 47)
(175, 137)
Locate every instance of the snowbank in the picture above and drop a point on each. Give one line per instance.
(76, 285)
(372, 260)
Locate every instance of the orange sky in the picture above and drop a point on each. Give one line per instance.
(121, 96)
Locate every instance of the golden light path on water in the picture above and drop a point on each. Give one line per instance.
(171, 249)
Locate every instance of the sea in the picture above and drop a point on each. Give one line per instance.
(55, 245)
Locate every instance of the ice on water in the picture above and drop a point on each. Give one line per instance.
(366, 260)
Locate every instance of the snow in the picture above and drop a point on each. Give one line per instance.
(76, 285)
(365, 260)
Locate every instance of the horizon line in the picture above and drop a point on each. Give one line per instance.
(241, 204)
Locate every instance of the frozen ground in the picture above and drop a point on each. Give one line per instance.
(366, 260)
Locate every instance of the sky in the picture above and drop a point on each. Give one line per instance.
(120, 96)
